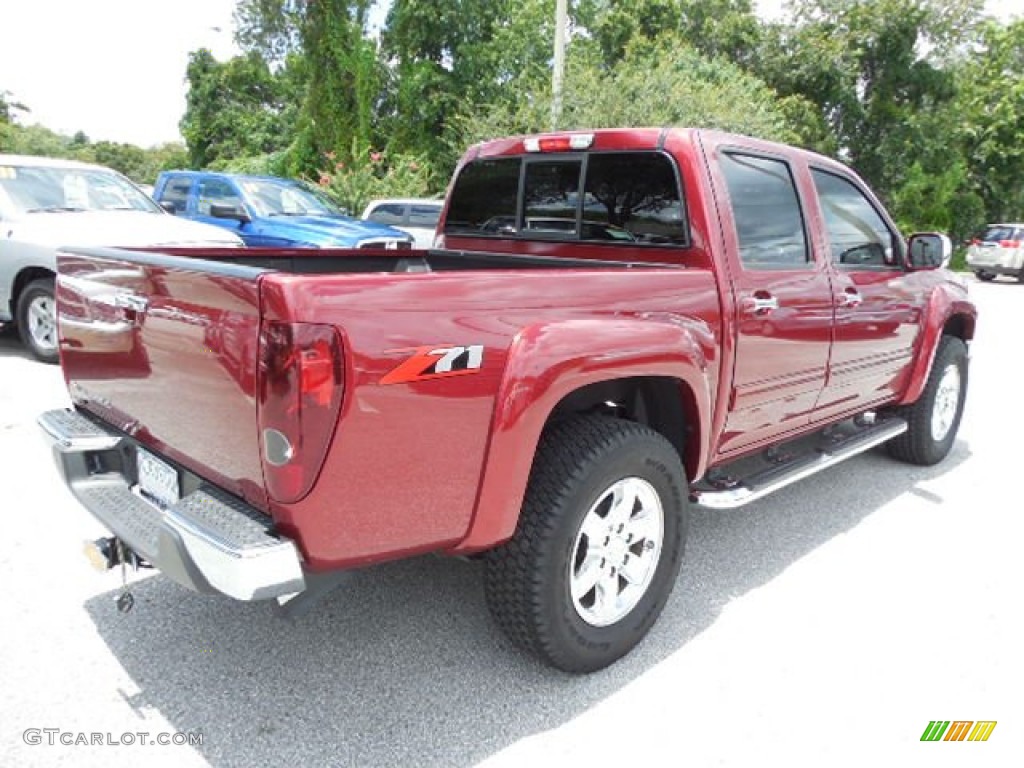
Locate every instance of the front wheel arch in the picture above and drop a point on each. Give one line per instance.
(22, 280)
(40, 338)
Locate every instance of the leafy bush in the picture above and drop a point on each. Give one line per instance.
(373, 174)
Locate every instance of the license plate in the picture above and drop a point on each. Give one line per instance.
(157, 479)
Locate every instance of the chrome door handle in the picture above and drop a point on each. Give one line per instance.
(759, 305)
(850, 298)
(130, 301)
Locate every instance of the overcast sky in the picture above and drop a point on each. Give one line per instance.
(115, 69)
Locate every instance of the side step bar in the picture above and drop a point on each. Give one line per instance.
(772, 479)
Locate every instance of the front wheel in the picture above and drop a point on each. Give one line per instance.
(934, 419)
(598, 546)
(985, 276)
(37, 319)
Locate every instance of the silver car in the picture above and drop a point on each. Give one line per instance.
(47, 203)
(999, 250)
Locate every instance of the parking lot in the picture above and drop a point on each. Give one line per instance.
(824, 625)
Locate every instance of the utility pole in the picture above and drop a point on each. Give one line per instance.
(557, 76)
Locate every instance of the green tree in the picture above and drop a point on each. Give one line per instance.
(235, 108)
(657, 82)
(428, 45)
(875, 68)
(990, 117)
(270, 28)
(715, 28)
(8, 108)
(345, 81)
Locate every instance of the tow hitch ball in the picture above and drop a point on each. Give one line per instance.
(107, 553)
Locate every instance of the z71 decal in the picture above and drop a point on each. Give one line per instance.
(437, 363)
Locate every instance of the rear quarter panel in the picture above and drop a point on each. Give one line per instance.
(403, 472)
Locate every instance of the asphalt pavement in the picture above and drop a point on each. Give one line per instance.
(826, 625)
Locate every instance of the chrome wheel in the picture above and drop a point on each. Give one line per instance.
(616, 551)
(42, 322)
(947, 401)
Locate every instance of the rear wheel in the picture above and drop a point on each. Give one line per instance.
(598, 546)
(985, 276)
(37, 319)
(935, 418)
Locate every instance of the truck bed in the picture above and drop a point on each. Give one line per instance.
(174, 352)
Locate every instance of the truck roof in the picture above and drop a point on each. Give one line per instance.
(646, 138)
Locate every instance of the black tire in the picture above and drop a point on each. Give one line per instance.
(918, 445)
(986, 277)
(41, 288)
(527, 579)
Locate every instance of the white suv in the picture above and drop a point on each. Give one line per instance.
(999, 250)
(417, 216)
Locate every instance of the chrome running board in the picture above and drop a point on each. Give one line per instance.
(730, 494)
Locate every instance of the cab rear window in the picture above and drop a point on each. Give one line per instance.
(610, 197)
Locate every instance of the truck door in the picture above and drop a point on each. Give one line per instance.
(782, 297)
(878, 306)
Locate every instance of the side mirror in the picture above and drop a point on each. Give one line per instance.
(229, 212)
(929, 250)
(169, 206)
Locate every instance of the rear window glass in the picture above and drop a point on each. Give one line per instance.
(551, 197)
(484, 198)
(995, 234)
(633, 196)
(627, 197)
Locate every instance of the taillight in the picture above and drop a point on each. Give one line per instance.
(301, 383)
(1010, 243)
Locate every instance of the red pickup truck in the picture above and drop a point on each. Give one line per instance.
(613, 326)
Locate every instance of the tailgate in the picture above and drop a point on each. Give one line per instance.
(165, 348)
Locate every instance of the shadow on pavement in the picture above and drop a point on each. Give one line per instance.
(10, 344)
(402, 665)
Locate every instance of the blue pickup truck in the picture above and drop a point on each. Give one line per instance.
(270, 212)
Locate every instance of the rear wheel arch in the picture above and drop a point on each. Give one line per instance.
(665, 404)
(675, 404)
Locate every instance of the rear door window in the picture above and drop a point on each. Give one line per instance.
(766, 210)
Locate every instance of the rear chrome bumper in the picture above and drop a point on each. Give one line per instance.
(209, 541)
